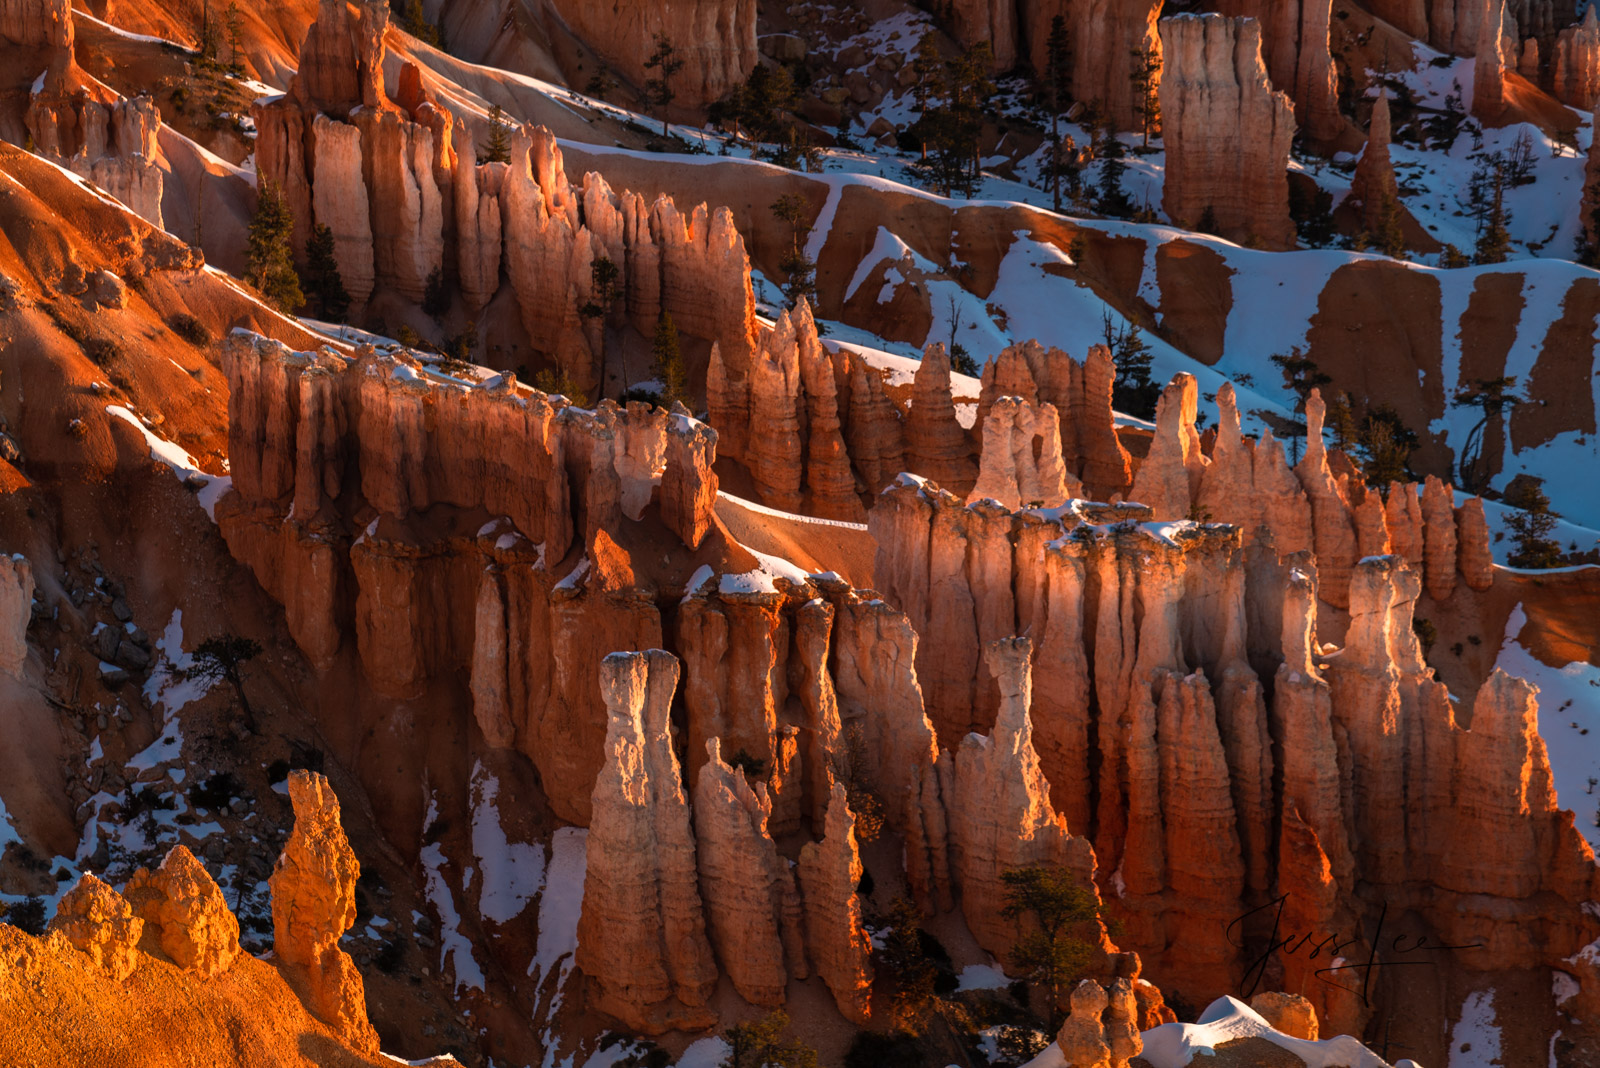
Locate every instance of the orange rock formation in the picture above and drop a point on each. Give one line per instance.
(1226, 130)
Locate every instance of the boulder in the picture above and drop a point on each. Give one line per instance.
(101, 923)
(184, 906)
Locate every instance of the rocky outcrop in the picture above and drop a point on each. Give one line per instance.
(339, 201)
(1333, 532)
(314, 904)
(1227, 131)
(689, 481)
(1105, 36)
(36, 23)
(183, 906)
(1475, 558)
(641, 936)
(1174, 467)
(1295, 49)
(1021, 459)
(1102, 1027)
(1091, 453)
(100, 922)
(1439, 554)
(330, 77)
(752, 906)
(830, 870)
(1000, 812)
(936, 445)
(776, 450)
(16, 610)
(1289, 1013)
(99, 136)
(1575, 64)
(715, 39)
(1374, 185)
(1489, 67)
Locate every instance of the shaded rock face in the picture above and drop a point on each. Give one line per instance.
(752, 906)
(830, 870)
(313, 905)
(936, 445)
(1575, 64)
(184, 905)
(716, 39)
(101, 923)
(1489, 66)
(1374, 185)
(1209, 792)
(1227, 131)
(1000, 812)
(37, 23)
(688, 481)
(1295, 48)
(99, 136)
(16, 609)
(642, 934)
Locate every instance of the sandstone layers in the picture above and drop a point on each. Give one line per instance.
(318, 439)
(1227, 131)
(1158, 736)
(397, 181)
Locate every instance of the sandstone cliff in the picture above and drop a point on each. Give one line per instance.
(1226, 130)
(830, 870)
(642, 936)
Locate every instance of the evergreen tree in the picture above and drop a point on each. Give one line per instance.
(1384, 446)
(908, 965)
(1301, 375)
(798, 269)
(1451, 258)
(223, 659)
(1146, 78)
(270, 254)
(498, 149)
(666, 62)
(210, 37)
(414, 20)
(1531, 525)
(1133, 391)
(1113, 199)
(1494, 240)
(1053, 92)
(324, 283)
(436, 294)
(669, 362)
(235, 25)
(760, 1044)
(1390, 238)
(950, 95)
(1052, 913)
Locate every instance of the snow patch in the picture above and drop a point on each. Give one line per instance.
(513, 872)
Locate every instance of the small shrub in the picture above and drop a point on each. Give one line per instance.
(26, 915)
(190, 329)
(216, 792)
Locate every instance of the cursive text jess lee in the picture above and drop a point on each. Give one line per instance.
(1335, 946)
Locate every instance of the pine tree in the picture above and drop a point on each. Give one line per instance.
(666, 62)
(1054, 92)
(1494, 240)
(323, 281)
(498, 149)
(669, 362)
(760, 1044)
(1146, 78)
(235, 23)
(1113, 199)
(270, 255)
(799, 270)
(1530, 526)
(1390, 238)
(1051, 911)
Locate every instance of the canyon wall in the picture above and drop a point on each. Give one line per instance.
(715, 40)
